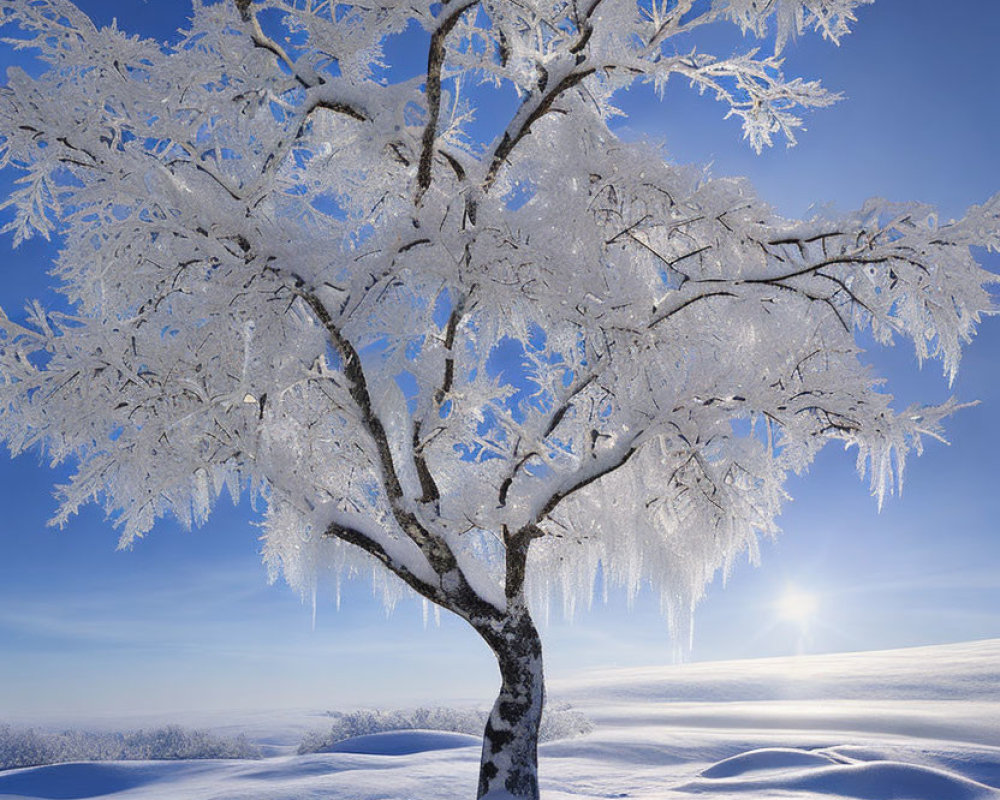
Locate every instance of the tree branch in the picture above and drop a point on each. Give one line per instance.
(429, 488)
(374, 549)
(554, 420)
(458, 598)
(662, 317)
(814, 268)
(509, 480)
(435, 63)
(585, 480)
(512, 136)
(516, 566)
(449, 342)
(265, 42)
(434, 548)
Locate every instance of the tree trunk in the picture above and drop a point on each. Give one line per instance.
(509, 766)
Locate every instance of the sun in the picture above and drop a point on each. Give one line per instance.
(797, 606)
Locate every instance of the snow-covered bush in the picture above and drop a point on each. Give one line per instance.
(174, 742)
(25, 748)
(562, 722)
(28, 747)
(558, 722)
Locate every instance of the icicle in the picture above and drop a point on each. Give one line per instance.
(314, 607)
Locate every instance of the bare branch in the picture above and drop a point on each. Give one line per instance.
(662, 316)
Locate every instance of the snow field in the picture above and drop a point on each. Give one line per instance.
(919, 724)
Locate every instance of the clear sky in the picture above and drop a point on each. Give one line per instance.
(186, 620)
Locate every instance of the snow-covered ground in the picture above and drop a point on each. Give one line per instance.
(920, 724)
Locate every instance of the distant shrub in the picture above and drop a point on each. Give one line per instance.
(30, 748)
(23, 748)
(562, 722)
(558, 722)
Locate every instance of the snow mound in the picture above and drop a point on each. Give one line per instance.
(759, 773)
(404, 743)
(75, 781)
(767, 758)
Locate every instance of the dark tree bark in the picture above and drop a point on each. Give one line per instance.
(509, 764)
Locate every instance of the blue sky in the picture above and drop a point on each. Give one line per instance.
(186, 620)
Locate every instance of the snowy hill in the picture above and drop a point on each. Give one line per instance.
(921, 724)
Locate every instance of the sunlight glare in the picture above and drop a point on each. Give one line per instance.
(797, 606)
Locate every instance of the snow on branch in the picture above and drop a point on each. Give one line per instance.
(755, 91)
(831, 18)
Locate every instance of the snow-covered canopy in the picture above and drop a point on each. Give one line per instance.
(293, 274)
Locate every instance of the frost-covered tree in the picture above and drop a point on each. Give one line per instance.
(485, 364)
